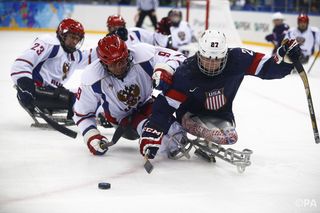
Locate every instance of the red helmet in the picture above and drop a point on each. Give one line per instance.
(112, 49)
(116, 21)
(67, 26)
(164, 25)
(303, 18)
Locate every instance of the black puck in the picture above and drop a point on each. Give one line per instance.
(103, 185)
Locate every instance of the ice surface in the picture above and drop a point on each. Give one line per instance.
(45, 171)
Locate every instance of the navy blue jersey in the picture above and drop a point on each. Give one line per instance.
(200, 94)
(278, 34)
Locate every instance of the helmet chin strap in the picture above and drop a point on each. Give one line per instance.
(120, 77)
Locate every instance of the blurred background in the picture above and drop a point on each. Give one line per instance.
(246, 20)
(288, 6)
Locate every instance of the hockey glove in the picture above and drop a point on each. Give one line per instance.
(122, 32)
(162, 76)
(150, 140)
(288, 48)
(270, 37)
(94, 141)
(26, 91)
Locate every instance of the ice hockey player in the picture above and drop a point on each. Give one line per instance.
(308, 37)
(117, 25)
(40, 72)
(181, 32)
(204, 86)
(122, 83)
(279, 31)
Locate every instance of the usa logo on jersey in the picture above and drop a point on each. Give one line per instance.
(215, 99)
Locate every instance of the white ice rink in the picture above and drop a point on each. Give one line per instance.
(45, 171)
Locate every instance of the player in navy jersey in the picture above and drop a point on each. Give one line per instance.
(279, 31)
(204, 87)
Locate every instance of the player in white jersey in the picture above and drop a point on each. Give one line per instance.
(122, 83)
(180, 30)
(116, 24)
(308, 37)
(40, 72)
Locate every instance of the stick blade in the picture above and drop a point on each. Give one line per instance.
(148, 166)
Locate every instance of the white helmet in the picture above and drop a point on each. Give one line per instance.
(277, 15)
(213, 52)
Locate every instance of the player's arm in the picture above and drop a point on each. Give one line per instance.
(23, 66)
(85, 108)
(30, 58)
(277, 66)
(161, 119)
(168, 62)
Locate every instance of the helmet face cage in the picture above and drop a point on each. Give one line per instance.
(114, 22)
(175, 17)
(114, 55)
(303, 22)
(73, 30)
(303, 18)
(213, 53)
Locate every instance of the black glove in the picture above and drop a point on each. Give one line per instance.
(150, 140)
(26, 91)
(269, 37)
(290, 48)
(122, 32)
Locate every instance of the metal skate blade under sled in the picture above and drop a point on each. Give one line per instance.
(241, 159)
(58, 117)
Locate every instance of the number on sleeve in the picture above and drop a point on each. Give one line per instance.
(38, 48)
(165, 54)
(78, 93)
(247, 51)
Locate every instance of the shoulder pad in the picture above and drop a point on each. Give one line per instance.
(141, 52)
(49, 39)
(93, 73)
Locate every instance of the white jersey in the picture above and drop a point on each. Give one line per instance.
(48, 64)
(308, 40)
(181, 35)
(136, 34)
(120, 97)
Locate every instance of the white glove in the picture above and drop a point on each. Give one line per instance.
(94, 141)
(162, 76)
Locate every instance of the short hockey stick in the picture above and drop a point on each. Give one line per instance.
(116, 136)
(314, 60)
(303, 75)
(147, 165)
(55, 125)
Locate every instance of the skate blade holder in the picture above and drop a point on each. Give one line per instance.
(183, 149)
(241, 159)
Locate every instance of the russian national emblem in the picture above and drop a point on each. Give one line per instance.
(65, 70)
(130, 95)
